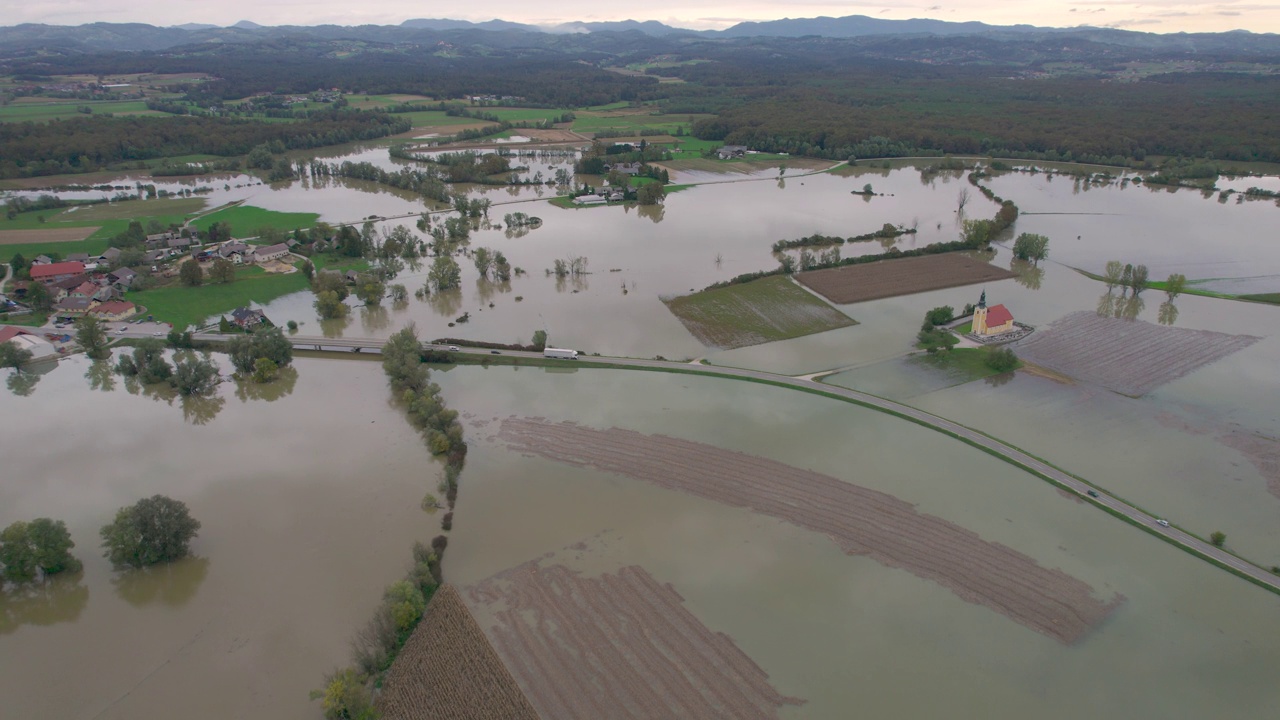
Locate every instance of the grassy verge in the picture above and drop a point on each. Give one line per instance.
(35, 319)
(188, 306)
(1191, 289)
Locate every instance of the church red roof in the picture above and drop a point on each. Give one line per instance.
(998, 315)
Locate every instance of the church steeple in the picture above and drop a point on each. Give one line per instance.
(982, 301)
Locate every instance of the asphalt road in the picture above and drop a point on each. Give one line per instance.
(1171, 534)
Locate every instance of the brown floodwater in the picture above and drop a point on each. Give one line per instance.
(309, 499)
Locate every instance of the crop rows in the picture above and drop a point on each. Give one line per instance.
(903, 276)
(619, 646)
(1130, 357)
(859, 520)
(449, 671)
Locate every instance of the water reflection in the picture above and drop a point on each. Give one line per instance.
(1030, 275)
(101, 376)
(998, 380)
(199, 410)
(486, 290)
(171, 584)
(374, 318)
(656, 213)
(334, 327)
(446, 302)
(1126, 307)
(58, 600)
(1167, 313)
(22, 384)
(247, 389)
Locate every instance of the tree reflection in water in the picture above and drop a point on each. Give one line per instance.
(199, 410)
(247, 389)
(446, 303)
(22, 384)
(60, 599)
(101, 376)
(374, 318)
(1029, 275)
(334, 328)
(1168, 313)
(172, 584)
(656, 213)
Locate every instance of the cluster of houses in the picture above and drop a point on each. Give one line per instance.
(728, 152)
(78, 286)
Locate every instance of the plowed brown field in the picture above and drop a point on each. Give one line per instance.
(859, 520)
(449, 671)
(902, 276)
(1131, 357)
(620, 647)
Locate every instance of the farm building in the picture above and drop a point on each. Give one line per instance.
(113, 310)
(995, 320)
(39, 347)
(56, 271)
(731, 151)
(271, 252)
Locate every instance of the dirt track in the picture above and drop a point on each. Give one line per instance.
(1131, 357)
(901, 276)
(619, 646)
(45, 235)
(449, 671)
(859, 520)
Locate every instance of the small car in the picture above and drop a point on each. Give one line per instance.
(158, 333)
(454, 348)
(1093, 494)
(120, 331)
(494, 352)
(1162, 523)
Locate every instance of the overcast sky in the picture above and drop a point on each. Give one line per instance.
(1153, 15)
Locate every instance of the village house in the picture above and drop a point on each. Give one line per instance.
(42, 260)
(56, 271)
(78, 257)
(731, 151)
(122, 279)
(178, 243)
(69, 307)
(59, 289)
(159, 240)
(109, 256)
(271, 252)
(633, 168)
(113, 310)
(234, 251)
(247, 319)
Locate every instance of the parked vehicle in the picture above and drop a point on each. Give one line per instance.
(560, 353)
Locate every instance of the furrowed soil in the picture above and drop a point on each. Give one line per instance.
(902, 276)
(50, 235)
(760, 311)
(449, 671)
(859, 520)
(619, 646)
(1130, 357)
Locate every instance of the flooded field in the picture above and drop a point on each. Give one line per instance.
(309, 500)
(309, 491)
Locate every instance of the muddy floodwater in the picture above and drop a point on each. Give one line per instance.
(309, 490)
(309, 504)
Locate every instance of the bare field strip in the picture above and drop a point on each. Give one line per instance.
(859, 520)
(901, 276)
(760, 311)
(449, 671)
(621, 646)
(1263, 453)
(1130, 357)
(45, 235)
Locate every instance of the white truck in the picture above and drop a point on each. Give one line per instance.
(560, 353)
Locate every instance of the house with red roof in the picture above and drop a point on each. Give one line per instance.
(56, 271)
(113, 310)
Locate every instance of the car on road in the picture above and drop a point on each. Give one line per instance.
(158, 333)
(494, 352)
(454, 348)
(1162, 523)
(120, 331)
(1093, 493)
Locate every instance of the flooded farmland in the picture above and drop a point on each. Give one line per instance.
(310, 495)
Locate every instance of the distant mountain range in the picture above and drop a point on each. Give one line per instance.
(98, 37)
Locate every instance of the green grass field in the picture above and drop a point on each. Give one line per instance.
(522, 114)
(246, 220)
(1273, 298)
(963, 364)
(20, 112)
(110, 219)
(435, 118)
(189, 306)
(774, 308)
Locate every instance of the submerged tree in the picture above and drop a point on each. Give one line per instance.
(153, 530)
